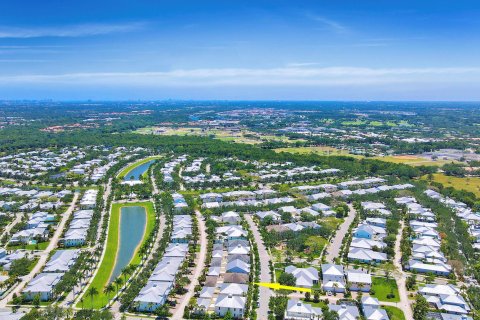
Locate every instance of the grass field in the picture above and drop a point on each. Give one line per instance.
(126, 170)
(394, 313)
(412, 160)
(471, 184)
(243, 136)
(382, 287)
(108, 262)
(321, 150)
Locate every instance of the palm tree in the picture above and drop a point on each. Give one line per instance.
(92, 292)
(118, 282)
(68, 312)
(108, 289)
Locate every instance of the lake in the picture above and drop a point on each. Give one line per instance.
(137, 172)
(132, 228)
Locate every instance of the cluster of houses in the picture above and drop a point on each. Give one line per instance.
(27, 200)
(179, 203)
(367, 240)
(204, 178)
(36, 229)
(169, 168)
(7, 259)
(463, 212)
(299, 310)
(348, 188)
(293, 173)
(334, 279)
(37, 162)
(195, 166)
(226, 285)
(43, 284)
(162, 281)
(94, 170)
(89, 199)
(295, 223)
(76, 235)
(242, 198)
(426, 254)
(448, 299)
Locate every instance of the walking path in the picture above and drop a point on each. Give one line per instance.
(334, 247)
(265, 293)
(44, 254)
(199, 266)
(401, 277)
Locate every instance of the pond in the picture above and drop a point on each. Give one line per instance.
(132, 228)
(137, 172)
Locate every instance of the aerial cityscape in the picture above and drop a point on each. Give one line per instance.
(228, 160)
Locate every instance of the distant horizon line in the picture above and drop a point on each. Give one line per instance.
(229, 100)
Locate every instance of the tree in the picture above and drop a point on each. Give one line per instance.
(411, 282)
(287, 279)
(118, 282)
(228, 316)
(108, 289)
(330, 315)
(92, 292)
(420, 308)
(36, 300)
(307, 296)
(388, 269)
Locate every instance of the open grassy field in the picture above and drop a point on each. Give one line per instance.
(126, 170)
(412, 160)
(108, 262)
(243, 136)
(394, 313)
(382, 287)
(471, 184)
(320, 150)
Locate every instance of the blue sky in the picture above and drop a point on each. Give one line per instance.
(300, 50)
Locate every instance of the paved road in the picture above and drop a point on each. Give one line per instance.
(265, 293)
(334, 247)
(200, 265)
(401, 277)
(18, 218)
(44, 254)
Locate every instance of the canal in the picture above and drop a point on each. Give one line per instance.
(131, 231)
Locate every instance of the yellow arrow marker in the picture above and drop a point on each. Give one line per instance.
(278, 286)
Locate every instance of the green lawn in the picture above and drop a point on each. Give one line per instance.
(108, 262)
(394, 313)
(383, 287)
(124, 172)
(319, 304)
(41, 246)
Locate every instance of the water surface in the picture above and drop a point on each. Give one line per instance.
(131, 230)
(137, 172)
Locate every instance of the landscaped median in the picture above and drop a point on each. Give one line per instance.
(107, 265)
(132, 166)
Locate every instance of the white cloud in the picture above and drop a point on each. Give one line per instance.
(331, 24)
(79, 30)
(286, 76)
